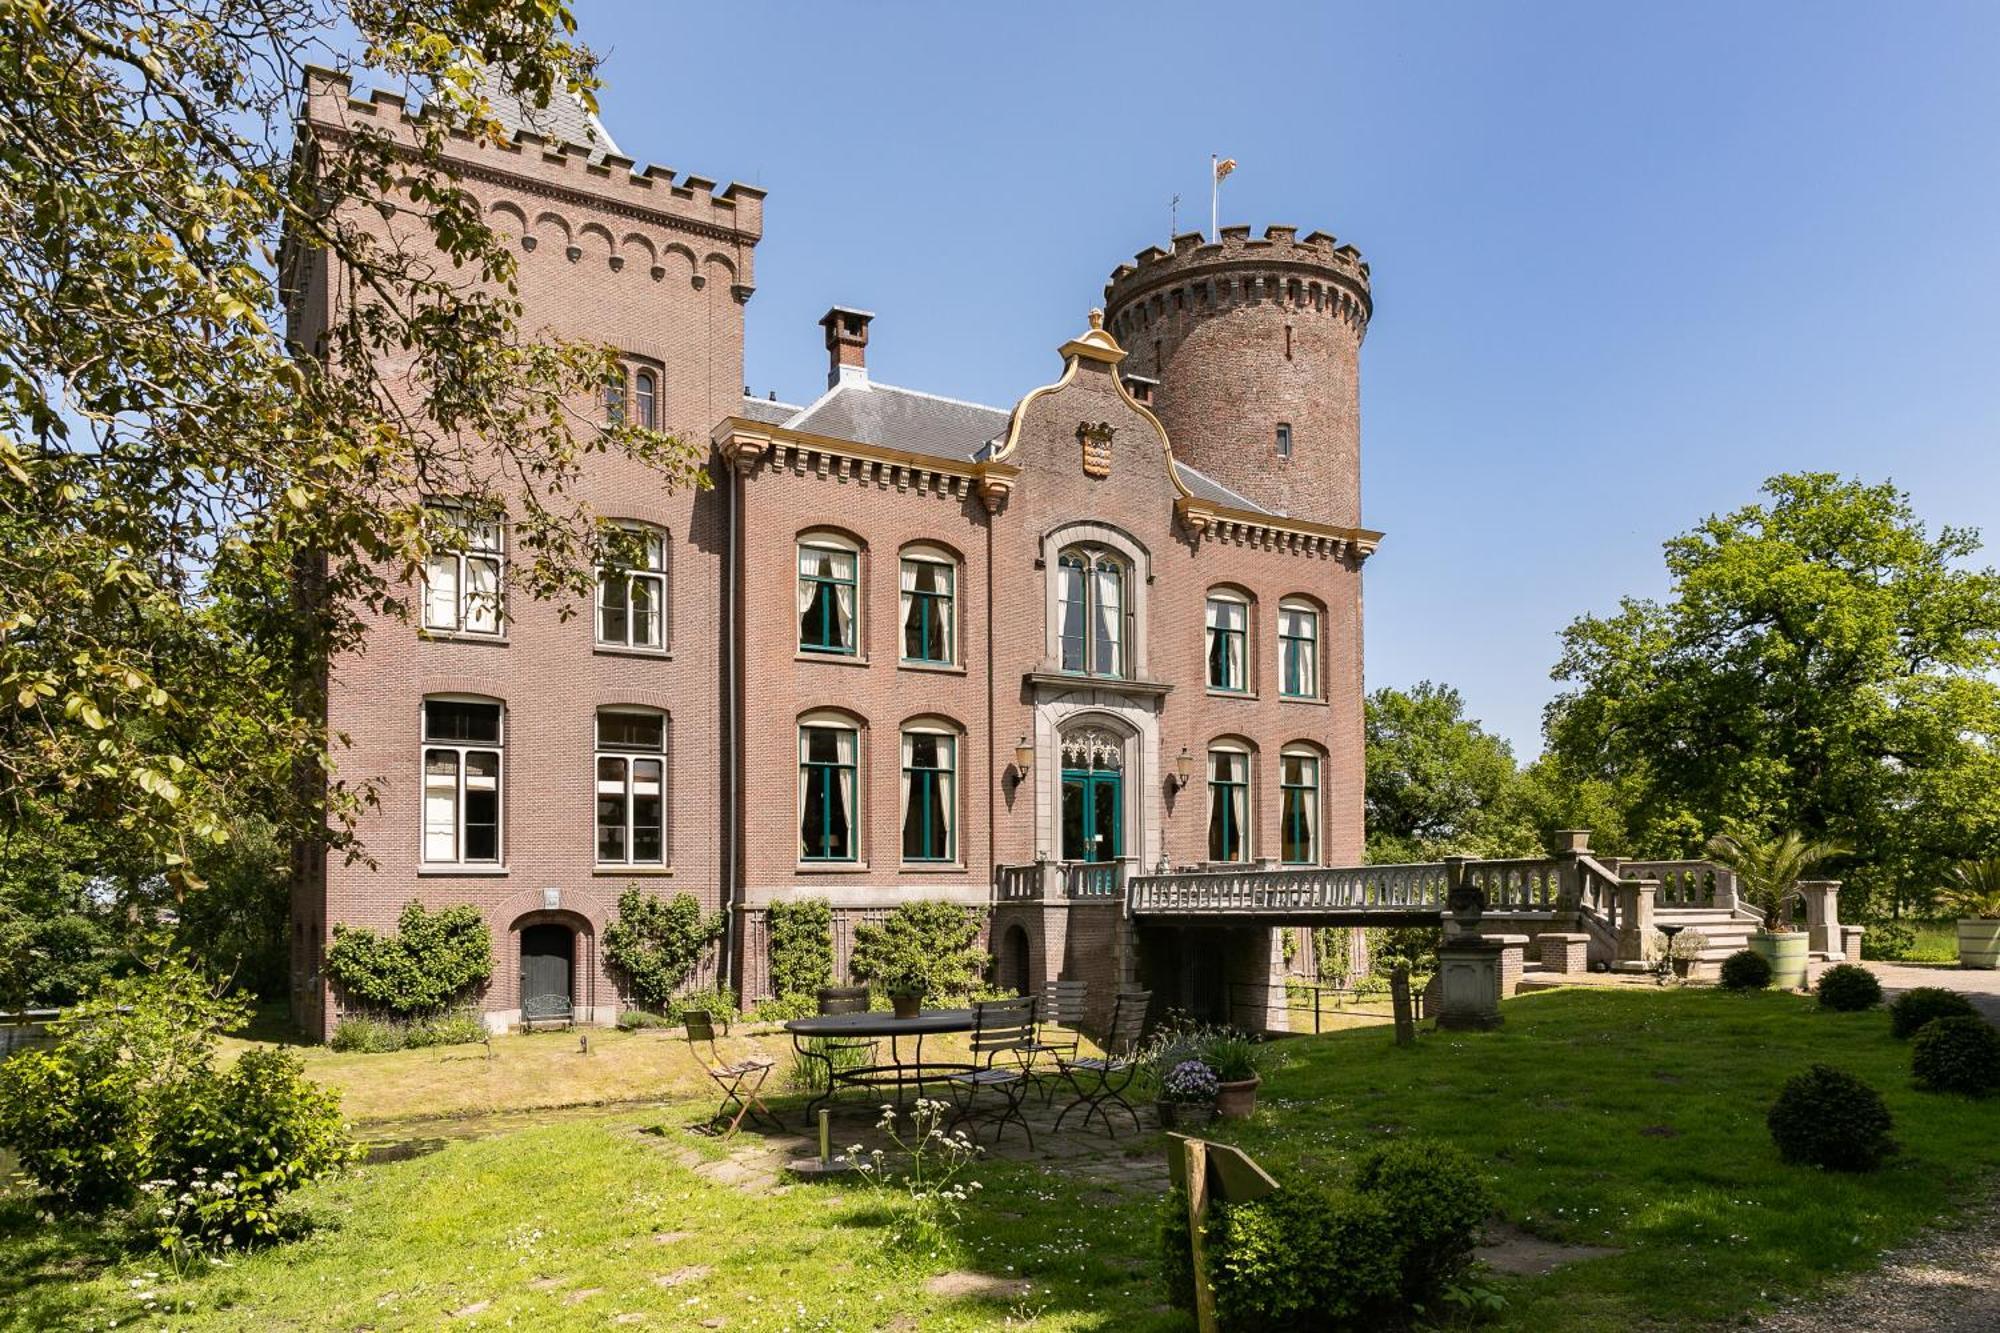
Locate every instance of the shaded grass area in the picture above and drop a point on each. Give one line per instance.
(1630, 1119)
(1636, 1120)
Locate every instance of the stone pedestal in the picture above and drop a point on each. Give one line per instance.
(1635, 918)
(1565, 953)
(1468, 983)
(1823, 935)
(1850, 942)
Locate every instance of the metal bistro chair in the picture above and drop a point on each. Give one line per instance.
(1100, 1081)
(740, 1081)
(1000, 1028)
(1058, 1034)
(829, 1051)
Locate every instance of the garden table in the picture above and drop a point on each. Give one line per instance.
(898, 1073)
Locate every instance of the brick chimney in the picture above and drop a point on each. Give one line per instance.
(846, 345)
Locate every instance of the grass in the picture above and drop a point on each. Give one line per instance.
(1626, 1119)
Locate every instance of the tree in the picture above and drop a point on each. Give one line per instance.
(1438, 783)
(195, 515)
(1823, 664)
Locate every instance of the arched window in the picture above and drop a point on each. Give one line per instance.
(930, 792)
(829, 790)
(1228, 803)
(1093, 611)
(645, 399)
(1298, 811)
(828, 592)
(929, 588)
(631, 787)
(632, 589)
(1228, 620)
(464, 573)
(1298, 649)
(614, 399)
(462, 743)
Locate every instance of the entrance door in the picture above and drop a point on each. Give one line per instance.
(547, 957)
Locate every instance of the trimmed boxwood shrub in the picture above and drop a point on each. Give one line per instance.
(1957, 1055)
(1848, 989)
(1746, 969)
(1828, 1118)
(1912, 1009)
(1316, 1255)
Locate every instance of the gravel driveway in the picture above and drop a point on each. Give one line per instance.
(1980, 987)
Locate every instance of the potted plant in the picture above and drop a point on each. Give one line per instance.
(1768, 871)
(1184, 1089)
(907, 981)
(1234, 1060)
(1973, 895)
(1682, 951)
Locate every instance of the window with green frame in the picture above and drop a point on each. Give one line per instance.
(928, 586)
(828, 793)
(1228, 805)
(1298, 651)
(1228, 648)
(827, 594)
(930, 803)
(1298, 813)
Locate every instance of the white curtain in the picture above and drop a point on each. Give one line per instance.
(909, 762)
(1110, 618)
(844, 792)
(441, 591)
(808, 566)
(440, 805)
(843, 620)
(1073, 651)
(482, 601)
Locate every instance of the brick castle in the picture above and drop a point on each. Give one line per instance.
(906, 646)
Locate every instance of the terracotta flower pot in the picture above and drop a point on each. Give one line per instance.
(907, 1006)
(1237, 1101)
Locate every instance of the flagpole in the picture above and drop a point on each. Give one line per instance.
(1214, 189)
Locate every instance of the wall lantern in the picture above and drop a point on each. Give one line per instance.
(1183, 768)
(1024, 759)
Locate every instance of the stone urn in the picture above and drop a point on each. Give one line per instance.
(1237, 1101)
(1979, 943)
(1785, 951)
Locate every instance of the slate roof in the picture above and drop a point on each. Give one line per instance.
(564, 120)
(901, 419)
(921, 423)
(768, 410)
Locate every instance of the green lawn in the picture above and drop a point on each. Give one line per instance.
(1625, 1119)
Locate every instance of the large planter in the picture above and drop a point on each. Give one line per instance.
(1979, 943)
(1237, 1101)
(1786, 953)
(906, 1006)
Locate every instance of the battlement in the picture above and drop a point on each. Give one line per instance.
(1314, 269)
(734, 213)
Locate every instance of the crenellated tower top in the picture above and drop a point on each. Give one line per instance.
(1254, 343)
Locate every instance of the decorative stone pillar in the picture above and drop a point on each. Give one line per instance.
(1850, 942)
(1468, 983)
(1635, 917)
(1823, 918)
(1572, 844)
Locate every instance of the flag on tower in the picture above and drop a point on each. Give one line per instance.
(1218, 167)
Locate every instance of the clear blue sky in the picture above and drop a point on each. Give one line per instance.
(1626, 263)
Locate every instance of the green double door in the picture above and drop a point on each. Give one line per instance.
(1093, 815)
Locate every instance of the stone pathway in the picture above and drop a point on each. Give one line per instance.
(1945, 1282)
(1979, 986)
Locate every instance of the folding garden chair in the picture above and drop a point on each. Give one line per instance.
(1058, 1031)
(740, 1082)
(1101, 1081)
(1001, 1029)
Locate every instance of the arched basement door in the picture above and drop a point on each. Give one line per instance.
(548, 966)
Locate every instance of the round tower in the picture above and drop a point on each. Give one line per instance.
(1249, 352)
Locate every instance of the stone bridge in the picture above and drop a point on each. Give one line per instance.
(1205, 937)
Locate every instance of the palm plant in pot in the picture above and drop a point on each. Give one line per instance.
(1234, 1060)
(1768, 871)
(1972, 894)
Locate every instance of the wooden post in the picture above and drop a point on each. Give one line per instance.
(1399, 997)
(1197, 1192)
